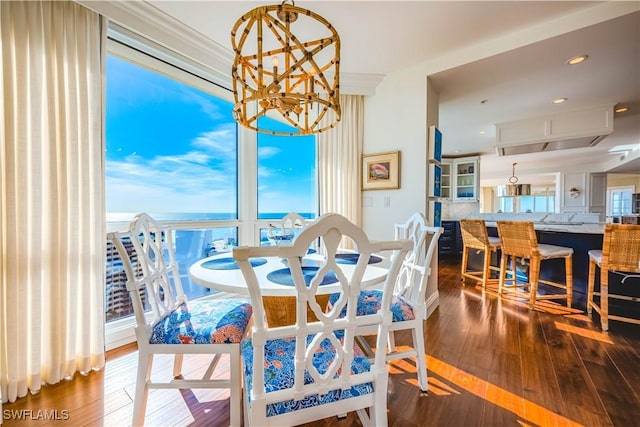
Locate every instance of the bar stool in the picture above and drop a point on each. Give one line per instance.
(620, 252)
(475, 236)
(518, 240)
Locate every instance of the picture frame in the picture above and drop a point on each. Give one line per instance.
(381, 171)
(435, 144)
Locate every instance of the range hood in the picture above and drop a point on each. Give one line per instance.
(578, 129)
(538, 147)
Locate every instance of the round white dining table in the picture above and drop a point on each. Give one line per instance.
(231, 280)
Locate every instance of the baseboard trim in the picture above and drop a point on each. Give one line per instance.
(432, 303)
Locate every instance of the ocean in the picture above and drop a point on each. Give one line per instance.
(197, 216)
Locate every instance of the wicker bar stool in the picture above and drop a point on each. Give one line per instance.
(518, 240)
(620, 252)
(475, 236)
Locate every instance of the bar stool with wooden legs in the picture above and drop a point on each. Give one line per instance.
(475, 236)
(621, 253)
(518, 240)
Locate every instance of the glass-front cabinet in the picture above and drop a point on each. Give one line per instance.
(446, 180)
(460, 178)
(466, 179)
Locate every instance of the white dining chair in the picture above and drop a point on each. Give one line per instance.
(289, 226)
(174, 325)
(408, 303)
(314, 369)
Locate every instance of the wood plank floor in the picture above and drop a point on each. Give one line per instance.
(491, 363)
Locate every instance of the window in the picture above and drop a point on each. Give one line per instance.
(171, 151)
(541, 200)
(619, 201)
(506, 204)
(171, 148)
(174, 150)
(537, 203)
(286, 173)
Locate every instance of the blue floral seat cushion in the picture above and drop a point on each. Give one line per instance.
(370, 300)
(222, 321)
(279, 373)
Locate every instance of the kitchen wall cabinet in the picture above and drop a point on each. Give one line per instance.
(446, 180)
(460, 178)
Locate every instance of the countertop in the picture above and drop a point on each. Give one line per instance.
(553, 222)
(587, 228)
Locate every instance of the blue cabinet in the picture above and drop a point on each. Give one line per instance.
(450, 239)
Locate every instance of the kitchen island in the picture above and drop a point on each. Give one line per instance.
(581, 237)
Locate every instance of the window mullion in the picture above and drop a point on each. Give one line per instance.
(247, 186)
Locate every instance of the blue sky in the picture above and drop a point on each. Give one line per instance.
(172, 148)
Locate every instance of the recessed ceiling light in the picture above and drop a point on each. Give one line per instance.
(577, 59)
(484, 101)
(482, 132)
(559, 100)
(622, 109)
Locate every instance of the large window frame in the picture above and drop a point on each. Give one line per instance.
(130, 47)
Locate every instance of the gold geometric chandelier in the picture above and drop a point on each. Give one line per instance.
(290, 77)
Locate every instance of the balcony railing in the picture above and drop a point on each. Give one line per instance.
(190, 246)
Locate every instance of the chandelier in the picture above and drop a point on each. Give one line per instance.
(289, 77)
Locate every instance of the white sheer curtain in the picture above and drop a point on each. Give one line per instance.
(339, 160)
(51, 188)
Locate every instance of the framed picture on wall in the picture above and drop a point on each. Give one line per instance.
(435, 144)
(381, 171)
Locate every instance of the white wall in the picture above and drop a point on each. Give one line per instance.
(395, 119)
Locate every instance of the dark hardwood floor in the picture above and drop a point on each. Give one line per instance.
(491, 363)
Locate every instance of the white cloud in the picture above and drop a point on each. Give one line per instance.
(221, 141)
(266, 152)
(265, 172)
(209, 107)
(200, 180)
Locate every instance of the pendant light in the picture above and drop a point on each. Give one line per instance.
(515, 189)
(286, 66)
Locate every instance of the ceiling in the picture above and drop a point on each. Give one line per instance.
(380, 37)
